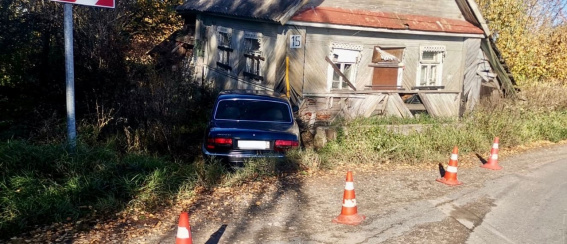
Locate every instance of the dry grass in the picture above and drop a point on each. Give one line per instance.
(540, 115)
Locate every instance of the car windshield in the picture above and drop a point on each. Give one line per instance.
(253, 110)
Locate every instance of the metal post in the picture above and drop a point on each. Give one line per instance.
(287, 76)
(70, 76)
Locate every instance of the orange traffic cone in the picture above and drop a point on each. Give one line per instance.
(183, 230)
(492, 162)
(450, 177)
(349, 213)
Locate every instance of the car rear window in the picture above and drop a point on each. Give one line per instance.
(253, 110)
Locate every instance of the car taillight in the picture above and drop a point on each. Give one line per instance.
(284, 145)
(212, 143)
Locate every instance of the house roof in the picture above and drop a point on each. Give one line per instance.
(272, 10)
(391, 21)
(365, 13)
(439, 8)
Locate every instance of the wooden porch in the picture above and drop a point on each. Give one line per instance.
(365, 103)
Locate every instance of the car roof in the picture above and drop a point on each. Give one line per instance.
(268, 95)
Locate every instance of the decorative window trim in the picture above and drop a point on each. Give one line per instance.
(346, 46)
(353, 61)
(439, 58)
(433, 48)
(253, 35)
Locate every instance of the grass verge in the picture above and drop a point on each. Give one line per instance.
(41, 184)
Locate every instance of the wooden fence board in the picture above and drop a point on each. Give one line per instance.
(441, 105)
(396, 107)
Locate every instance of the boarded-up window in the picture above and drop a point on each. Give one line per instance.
(253, 56)
(387, 54)
(224, 47)
(388, 68)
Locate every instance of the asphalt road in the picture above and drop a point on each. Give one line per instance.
(525, 202)
(533, 209)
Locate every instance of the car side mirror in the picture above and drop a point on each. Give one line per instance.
(295, 108)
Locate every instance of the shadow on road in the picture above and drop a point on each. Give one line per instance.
(215, 237)
(482, 160)
(441, 170)
(221, 204)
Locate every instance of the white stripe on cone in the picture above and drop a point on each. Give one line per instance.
(494, 156)
(452, 169)
(349, 186)
(454, 156)
(183, 233)
(495, 146)
(349, 203)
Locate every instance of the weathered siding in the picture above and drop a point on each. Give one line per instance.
(234, 79)
(318, 45)
(472, 83)
(296, 59)
(308, 70)
(441, 104)
(439, 8)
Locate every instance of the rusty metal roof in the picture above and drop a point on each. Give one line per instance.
(393, 21)
(271, 10)
(439, 8)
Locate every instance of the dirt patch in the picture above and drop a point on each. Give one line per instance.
(448, 231)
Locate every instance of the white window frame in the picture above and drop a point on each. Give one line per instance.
(253, 66)
(224, 55)
(353, 60)
(437, 61)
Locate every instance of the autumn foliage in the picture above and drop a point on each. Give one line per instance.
(531, 35)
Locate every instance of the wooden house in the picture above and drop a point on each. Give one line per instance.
(349, 58)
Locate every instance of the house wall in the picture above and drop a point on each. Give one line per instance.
(308, 70)
(297, 59)
(318, 45)
(472, 81)
(234, 79)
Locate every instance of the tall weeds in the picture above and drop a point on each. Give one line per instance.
(540, 115)
(40, 184)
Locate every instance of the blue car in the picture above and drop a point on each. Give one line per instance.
(250, 124)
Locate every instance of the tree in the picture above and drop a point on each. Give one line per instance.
(110, 54)
(529, 35)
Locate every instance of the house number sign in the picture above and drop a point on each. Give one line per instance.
(295, 41)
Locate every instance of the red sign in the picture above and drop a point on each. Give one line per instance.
(95, 3)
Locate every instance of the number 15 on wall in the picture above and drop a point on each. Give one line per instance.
(295, 41)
